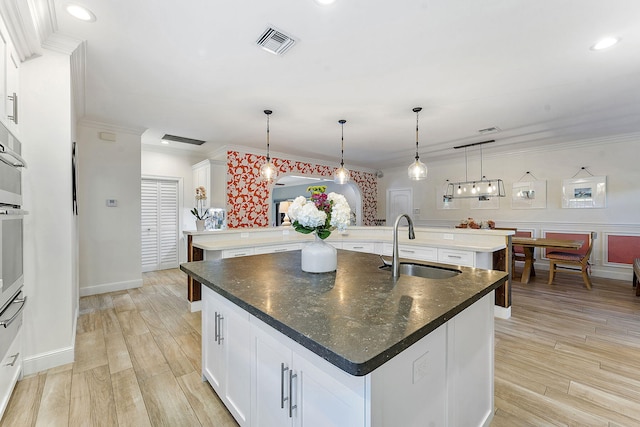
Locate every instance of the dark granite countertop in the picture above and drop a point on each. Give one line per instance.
(356, 318)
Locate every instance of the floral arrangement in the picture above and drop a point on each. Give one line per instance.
(472, 223)
(321, 213)
(199, 211)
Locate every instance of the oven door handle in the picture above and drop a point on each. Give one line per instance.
(20, 161)
(8, 322)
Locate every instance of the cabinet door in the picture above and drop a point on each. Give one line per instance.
(324, 396)
(13, 88)
(271, 371)
(212, 355)
(235, 340)
(226, 353)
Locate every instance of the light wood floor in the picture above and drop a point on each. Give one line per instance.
(137, 363)
(567, 357)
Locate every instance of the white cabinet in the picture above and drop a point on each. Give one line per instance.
(368, 247)
(292, 390)
(10, 371)
(234, 253)
(226, 353)
(421, 253)
(212, 175)
(456, 257)
(9, 82)
(267, 379)
(272, 249)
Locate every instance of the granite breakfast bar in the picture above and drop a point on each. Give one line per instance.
(352, 347)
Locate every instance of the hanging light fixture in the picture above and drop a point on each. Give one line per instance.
(342, 174)
(482, 189)
(417, 170)
(268, 171)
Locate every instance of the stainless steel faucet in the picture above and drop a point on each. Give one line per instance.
(395, 265)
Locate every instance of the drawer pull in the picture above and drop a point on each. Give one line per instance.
(7, 322)
(407, 251)
(15, 359)
(240, 254)
(454, 256)
(280, 250)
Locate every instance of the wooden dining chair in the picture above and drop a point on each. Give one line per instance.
(572, 262)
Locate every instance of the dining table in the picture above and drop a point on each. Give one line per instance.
(530, 243)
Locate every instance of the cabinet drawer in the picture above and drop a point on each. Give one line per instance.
(233, 253)
(10, 371)
(412, 252)
(272, 249)
(359, 246)
(423, 254)
(456, 257)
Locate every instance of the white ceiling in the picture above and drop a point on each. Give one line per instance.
(191, 68)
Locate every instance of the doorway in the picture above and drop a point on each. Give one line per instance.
(399, 201)
(159, 222)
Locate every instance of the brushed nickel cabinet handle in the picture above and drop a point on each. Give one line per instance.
(291, 405)
(15, 358)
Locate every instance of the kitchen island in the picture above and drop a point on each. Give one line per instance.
(353, 347)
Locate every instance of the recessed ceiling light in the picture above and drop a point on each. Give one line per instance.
(325, 2)
(605, 43)
(80, 12)
(164, 141)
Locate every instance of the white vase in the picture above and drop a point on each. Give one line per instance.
(319, 257)
(199, 224)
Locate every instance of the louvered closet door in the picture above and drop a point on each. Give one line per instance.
(159, 221)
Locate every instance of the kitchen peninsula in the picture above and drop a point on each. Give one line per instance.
(487, 249)
(354, 347)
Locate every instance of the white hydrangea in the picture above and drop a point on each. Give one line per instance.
(340, 212)
(306, 213)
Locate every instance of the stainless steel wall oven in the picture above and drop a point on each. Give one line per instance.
(12, 301)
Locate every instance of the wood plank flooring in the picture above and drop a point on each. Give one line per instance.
(567, 357)
(137, 363)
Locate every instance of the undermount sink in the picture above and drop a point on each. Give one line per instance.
(425, 271)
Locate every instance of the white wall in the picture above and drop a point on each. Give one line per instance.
(50, 236)
(110, 256)
(617, 158)
(174, 164)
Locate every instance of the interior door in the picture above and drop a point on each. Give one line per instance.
(159, 221)
(399, 201)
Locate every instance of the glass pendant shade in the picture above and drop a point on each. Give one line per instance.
(417, 170)
(268, 171)
(342, 174)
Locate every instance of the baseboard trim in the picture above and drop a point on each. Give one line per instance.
(501, 312)
(42, 362)
(110, 287)
(196, 306)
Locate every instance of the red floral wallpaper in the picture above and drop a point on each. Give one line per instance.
(248, 197)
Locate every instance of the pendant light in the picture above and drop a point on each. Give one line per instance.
(482, 189)
(417, 170)
(342, 174)
(268, 171)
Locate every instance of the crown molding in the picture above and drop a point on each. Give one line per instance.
(21, 25)
(78, 80)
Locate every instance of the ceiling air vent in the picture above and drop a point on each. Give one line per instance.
(492, 129)
(275, 42)
(182, 139)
